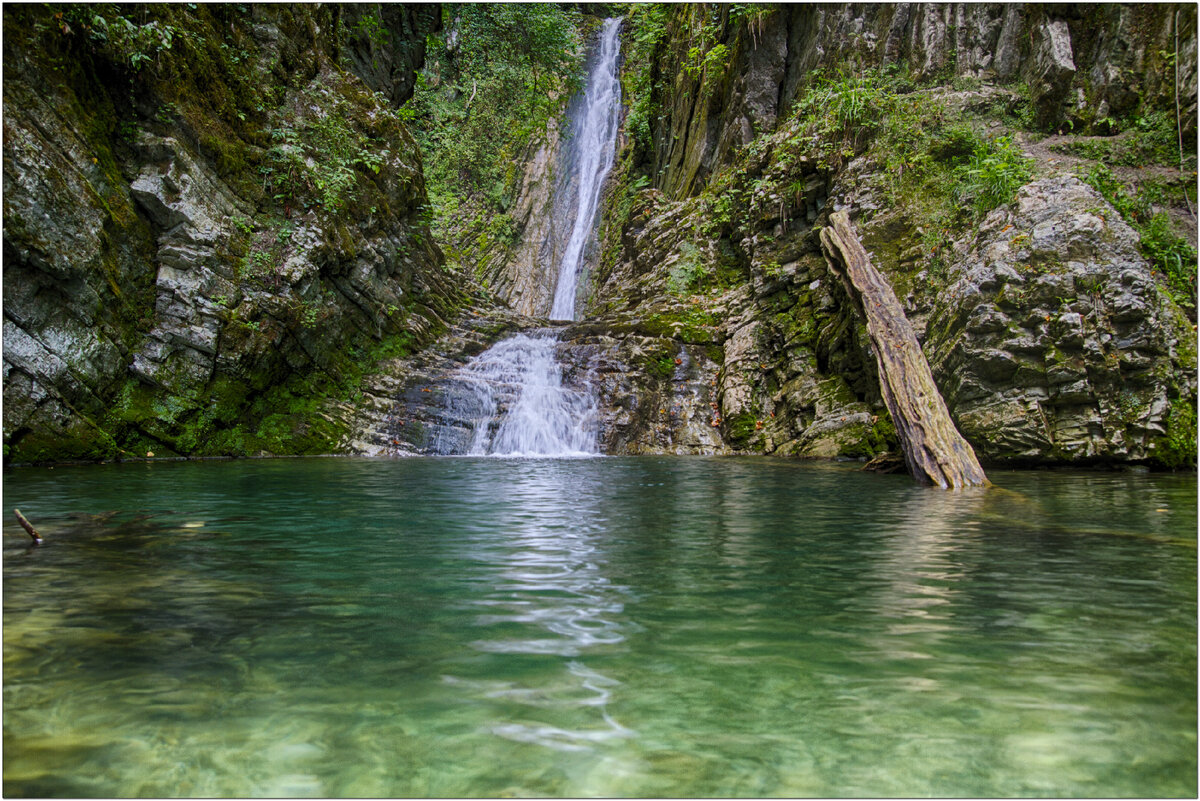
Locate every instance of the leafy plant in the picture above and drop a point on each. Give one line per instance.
(996, 171)
(135, 45)
(648, 29)
(489, 86)
(318, 159)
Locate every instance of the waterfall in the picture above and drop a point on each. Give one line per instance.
(512, 396)
(591, 150)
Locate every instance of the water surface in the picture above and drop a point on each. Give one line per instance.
(596, 627)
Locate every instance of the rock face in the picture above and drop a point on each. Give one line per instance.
(216, 242)
(176, 271)
(385, 44)
(524, 275)
(547, 200)
(1056, 342)
(1051, 338)
(1080, 64)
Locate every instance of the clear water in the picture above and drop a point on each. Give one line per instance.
(596, 627)
(510, 400)
(590, 152)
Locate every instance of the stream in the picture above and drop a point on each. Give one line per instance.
(668, 627)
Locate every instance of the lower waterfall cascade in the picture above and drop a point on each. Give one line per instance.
(514, 391)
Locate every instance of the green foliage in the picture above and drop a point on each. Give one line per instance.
(996, 171)
(317, 160)
(1171, 254)
(707, 56)
(1178, 449)
(752, 15)
(111, 30)
(537, 39)
(371, 29)
(708, 64)
(1163, 248)
(842, 110)
(496, 78)
(1150, 139)
(647, 23)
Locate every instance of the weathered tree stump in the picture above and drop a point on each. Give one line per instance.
(934, 450)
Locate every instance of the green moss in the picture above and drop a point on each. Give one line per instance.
(741, 428)
(1177, 449)
(660, 361)
(693, 325)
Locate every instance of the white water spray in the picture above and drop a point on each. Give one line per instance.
(591, 151)
(513, 394)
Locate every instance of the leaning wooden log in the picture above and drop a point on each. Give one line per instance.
(25, 524)
(934, 450)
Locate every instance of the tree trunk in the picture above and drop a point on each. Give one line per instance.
(934, 450)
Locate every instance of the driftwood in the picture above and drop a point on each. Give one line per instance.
(25, 524)
(934, 450)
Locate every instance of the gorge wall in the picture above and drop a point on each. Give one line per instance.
(213, 221)
(1053, 337)
(218, 242)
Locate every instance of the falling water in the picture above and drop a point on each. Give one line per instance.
(512, 395)
(590, 154)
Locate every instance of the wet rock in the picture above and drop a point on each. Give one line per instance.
(1033, 375)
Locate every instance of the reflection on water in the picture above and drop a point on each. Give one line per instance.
(606, 627)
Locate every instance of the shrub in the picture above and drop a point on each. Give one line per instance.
(996, 171)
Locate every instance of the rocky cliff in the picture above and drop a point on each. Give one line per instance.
(221, 246)
(715, 325)
(213, 221)
(1054, 336)
(1079, 67)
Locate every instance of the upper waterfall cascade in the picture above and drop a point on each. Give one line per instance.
(513, 394)
(591, 150)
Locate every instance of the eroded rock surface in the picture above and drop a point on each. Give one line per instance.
(164, 272)
(1056, 342)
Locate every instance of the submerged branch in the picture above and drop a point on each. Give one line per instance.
(25, 524)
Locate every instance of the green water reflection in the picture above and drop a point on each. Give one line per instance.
(596, 627)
